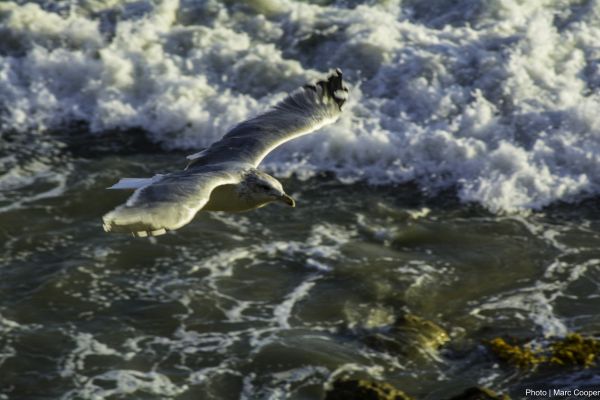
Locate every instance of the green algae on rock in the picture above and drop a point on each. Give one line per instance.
(520, 356)
(574, 349)
(360, 389)
(427, 333)
(409, 335)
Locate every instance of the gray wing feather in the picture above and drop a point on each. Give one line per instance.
(169, 203)
(305, 110)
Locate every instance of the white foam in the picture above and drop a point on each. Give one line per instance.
(503, 107)
(375, 371)
(127, 382)
(283, 311)
(21, 177)
(533, 304)
(86, 345)
(536, 302)
(222, 264)
(321, 251)
(320, 248)
(7, 350)
(202, 375)
(7, 325)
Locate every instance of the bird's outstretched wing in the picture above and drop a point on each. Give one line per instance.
(167, 203)
(305, 110)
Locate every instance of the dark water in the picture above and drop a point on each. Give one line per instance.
(277, 302)
(491, 103)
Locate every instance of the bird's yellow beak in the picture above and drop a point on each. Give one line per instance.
(287, 200)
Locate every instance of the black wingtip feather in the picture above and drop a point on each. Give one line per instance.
(333, 85)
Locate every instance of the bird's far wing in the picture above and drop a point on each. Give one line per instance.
(168, 203)
(305, 110)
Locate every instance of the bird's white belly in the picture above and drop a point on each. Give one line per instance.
(227, 198)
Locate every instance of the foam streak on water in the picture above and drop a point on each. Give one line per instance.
(497, 99)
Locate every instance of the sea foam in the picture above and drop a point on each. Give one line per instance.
(497, 100)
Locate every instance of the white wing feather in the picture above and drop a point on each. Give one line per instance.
(305, 110)
(168, 203)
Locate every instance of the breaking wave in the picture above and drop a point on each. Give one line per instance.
(497, 99)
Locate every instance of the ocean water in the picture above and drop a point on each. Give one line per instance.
(460, 186)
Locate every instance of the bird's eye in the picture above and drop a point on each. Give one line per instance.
(263, 186)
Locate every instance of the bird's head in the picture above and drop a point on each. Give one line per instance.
(266, 189)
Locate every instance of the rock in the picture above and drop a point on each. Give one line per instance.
(572, 350)
(360, 389)
(519, 356)
(478, 393)
(408, 336)
(575, 349)
(368, 316)
(429, 334)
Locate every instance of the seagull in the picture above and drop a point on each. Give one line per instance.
(224, 177)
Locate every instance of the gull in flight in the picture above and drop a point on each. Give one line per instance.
(224, 177)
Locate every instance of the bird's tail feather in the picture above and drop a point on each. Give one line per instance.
(131, 183)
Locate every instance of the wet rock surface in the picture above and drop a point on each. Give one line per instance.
(384, 326)
(408, 336)
(359, 389)
(572, 350)
(479, 393)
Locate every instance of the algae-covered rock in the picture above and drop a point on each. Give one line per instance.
(427, 333)
(479, 393)
(410, 334)
(519, 356)
(574, 350)
(360, 389)
(369, 316)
